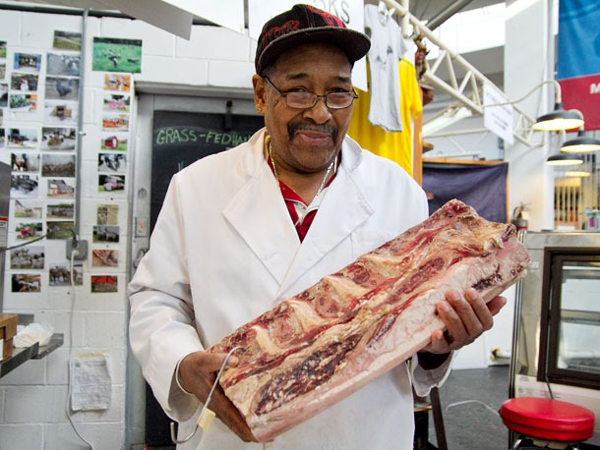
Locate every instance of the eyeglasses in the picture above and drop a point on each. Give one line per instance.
(306, 100)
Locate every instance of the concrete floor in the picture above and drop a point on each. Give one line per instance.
(473, 426)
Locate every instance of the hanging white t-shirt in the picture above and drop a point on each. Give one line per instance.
(387, 47)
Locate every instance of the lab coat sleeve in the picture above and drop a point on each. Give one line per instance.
(161, 327)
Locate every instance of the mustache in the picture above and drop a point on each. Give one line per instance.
(300, 125)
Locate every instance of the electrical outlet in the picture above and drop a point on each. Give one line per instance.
(82, 249)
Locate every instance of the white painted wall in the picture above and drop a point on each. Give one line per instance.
(33, 397)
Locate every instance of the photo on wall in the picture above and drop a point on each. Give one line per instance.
(3, 95)
(102, 284)
(59, 274)
(105, 233)
(29, 257)
(111, 183)
(58, 188)
(115, 122)
(28, 209)
(60, 229)
(25, 231)
(22, 138)
(114, 141)
(24, 82)
(60, 112)
(59, 138)
(105, 258)
(23, 102)
(60, 211)
(116, 103)
(2, 136)
(117, 55)
(63, 64)
(62, 88)
(2, 49)
(26, 282)
(2, 70)
(107, 214)
(120, 82)
(58, 165)
(112, 162)
(24, 186)
(66, 40)
(28, 62)
(25, 162)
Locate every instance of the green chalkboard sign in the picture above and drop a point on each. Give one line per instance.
(181, 138)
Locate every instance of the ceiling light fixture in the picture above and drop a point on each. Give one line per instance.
(577, 173)
(564, 159)
(581, 144)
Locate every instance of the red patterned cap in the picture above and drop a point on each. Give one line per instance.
(305, 24)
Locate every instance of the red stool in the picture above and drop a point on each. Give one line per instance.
(547, 420)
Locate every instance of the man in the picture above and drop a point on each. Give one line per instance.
(245, 229)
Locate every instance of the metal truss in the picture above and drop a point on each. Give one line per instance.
(467, 88)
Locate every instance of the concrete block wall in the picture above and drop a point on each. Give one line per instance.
(33, 397)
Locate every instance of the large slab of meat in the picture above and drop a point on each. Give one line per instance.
(356, 324)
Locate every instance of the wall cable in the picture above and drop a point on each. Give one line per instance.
(74, 253)
(452, 405)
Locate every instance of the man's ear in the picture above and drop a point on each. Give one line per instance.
(260, 93)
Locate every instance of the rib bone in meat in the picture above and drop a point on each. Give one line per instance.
(356, 324)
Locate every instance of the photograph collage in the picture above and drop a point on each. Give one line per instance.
(43, 155)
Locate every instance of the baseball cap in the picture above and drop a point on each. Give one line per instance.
(304, 24)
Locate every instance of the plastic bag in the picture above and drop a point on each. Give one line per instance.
(32, 333)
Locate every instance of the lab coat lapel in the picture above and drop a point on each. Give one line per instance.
(343, 209)
(258, 213)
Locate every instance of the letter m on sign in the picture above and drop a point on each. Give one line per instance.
(578, 68)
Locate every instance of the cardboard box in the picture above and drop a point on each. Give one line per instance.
(8, 329)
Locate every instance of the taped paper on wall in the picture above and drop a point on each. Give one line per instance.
(90, 382)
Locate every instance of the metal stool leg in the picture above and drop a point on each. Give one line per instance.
(517, 444)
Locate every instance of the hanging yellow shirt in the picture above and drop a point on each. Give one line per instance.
(396, 146)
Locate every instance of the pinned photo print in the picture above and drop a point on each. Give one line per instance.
(58, 165)
(105, 258)
(23, 102)
(115, 122)
(60, 211)
(2, 136)
(29, 62)
(116, 103)
(27, 209)
(103, 284)
(61, 188)
(61, 88)
(114, 141)
(25, 162)
(59, 138)
(26, 282)
(26, 231)
(111, 183)
(60, 112)
(117, 55)
(22, 138)
(2, 70)
(105, 233)
(59, 274)
(2, 49)
(66, 40)
(64, 64)
(3, 94)
(112, 162)
(117, 82)
(29, 257)
(24, 82)
(60, 230)
(24, 186)
(107, 214)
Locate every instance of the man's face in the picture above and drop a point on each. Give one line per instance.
(305, 140)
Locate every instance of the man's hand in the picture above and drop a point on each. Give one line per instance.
(197, 372)
(466, 318)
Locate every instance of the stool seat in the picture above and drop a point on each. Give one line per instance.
(548, 419)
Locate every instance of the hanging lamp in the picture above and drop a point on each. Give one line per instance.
(581, 143)
(564, 159)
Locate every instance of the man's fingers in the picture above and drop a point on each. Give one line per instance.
(480, 309)
(212, 362)
(496, 304)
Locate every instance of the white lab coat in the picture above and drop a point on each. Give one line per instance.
(224, 250)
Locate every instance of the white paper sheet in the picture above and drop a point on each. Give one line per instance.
(90, 382)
